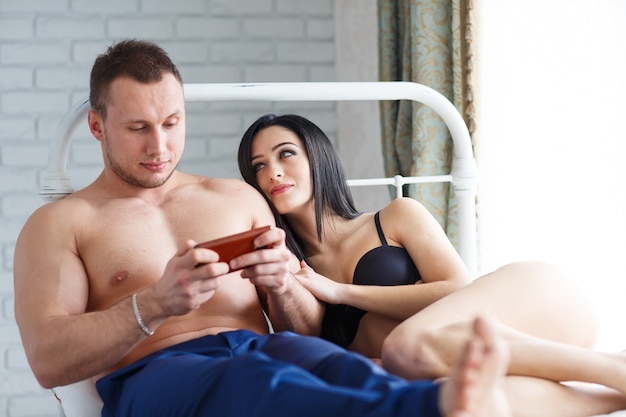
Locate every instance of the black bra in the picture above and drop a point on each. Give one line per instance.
(384, 265)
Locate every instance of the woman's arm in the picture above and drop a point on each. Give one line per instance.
(408, 224)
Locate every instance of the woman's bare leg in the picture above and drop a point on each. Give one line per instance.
(532, 397)
(547, 321)
(530, 356)
(478, 387)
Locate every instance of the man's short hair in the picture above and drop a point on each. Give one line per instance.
(142, 61)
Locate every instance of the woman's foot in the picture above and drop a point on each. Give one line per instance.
(475, 387)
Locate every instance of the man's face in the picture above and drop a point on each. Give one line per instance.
(143, 135)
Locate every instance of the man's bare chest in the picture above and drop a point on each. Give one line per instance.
(127, 248)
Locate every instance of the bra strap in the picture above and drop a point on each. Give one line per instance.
(381, 236)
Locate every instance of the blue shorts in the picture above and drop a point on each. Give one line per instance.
(243, 374)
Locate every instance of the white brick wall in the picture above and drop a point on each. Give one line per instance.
(46, 51)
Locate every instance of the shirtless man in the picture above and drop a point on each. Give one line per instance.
(109, 286)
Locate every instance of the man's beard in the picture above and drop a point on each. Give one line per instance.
(130, 179)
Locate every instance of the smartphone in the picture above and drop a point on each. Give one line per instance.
(230, 247)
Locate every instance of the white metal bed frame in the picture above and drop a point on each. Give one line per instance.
(463, 176)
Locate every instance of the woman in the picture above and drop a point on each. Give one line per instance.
(548, 323)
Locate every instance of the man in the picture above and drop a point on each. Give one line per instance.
(109, 285)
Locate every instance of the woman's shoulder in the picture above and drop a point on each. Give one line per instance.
(403, 216)
(403, 206)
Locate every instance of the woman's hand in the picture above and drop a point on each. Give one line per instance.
(322, 288)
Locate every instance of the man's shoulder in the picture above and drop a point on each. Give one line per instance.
(229, 186)
(223, 198)
(57, 218)
(213, 182)
(61, 207)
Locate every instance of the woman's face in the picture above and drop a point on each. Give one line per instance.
(282, 168)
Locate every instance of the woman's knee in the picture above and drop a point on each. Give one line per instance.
(561, 308)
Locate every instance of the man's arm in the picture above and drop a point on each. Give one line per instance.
(289, 305)
(51, 293)
(63, 342)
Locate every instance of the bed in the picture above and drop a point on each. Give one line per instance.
(81, 399)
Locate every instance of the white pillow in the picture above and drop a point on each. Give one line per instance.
(79, 399)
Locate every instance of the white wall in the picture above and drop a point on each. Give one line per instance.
(552, 142)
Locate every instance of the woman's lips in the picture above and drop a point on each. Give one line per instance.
(279, 189)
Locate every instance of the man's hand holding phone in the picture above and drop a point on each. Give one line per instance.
(268, 268)
(230, 247)
(263, 258)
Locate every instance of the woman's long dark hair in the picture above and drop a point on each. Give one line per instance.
(330, 190)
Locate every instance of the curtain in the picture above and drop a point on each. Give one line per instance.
(428, 42)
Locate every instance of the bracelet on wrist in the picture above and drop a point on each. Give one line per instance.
(140, 322)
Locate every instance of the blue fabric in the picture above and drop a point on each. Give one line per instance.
(244, 374)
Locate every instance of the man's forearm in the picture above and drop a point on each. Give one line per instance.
(296, 310)
(77, 347)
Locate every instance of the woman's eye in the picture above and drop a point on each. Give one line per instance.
(286, 153)
(257, 167)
